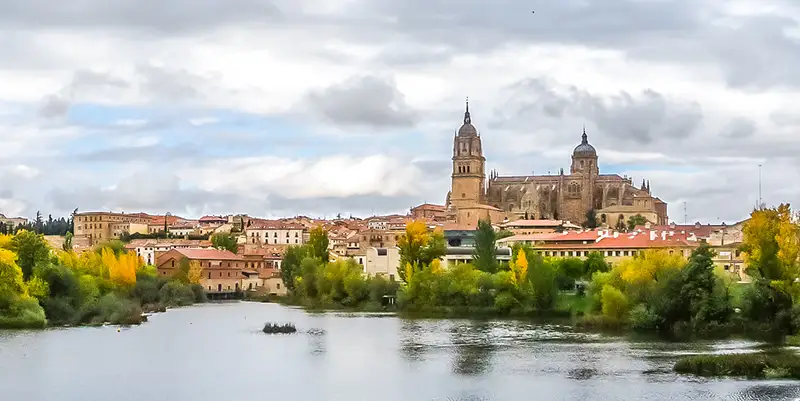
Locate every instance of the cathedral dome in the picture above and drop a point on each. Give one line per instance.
(467, 129)
(584, 149)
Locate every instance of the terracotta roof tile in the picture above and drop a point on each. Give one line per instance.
(209, 254)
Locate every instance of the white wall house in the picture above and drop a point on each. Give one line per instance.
(382, 262)
(275, 234)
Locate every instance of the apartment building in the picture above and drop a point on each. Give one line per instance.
(104, 226)
(222, 270)
(274, 233)
(150, 249)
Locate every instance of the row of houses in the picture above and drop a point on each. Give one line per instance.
(372, 242)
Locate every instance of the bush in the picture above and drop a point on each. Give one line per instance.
(175, 293)
(274, 328)
(642, 319)
(110, 308)
(760, 365)
(23, 313)
(615, 303)
(199, 293)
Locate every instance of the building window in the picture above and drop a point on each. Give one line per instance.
(278, 285)
(173, 262)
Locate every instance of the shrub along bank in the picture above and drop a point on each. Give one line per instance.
(41, 286)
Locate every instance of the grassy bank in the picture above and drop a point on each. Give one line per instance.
(774, 365)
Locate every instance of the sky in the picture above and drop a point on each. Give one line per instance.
(323, 107)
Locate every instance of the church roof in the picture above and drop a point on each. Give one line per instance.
(467, 129)
(584, 149)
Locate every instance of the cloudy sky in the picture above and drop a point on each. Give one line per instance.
(318, 107)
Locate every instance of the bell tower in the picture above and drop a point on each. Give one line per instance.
(469, 177)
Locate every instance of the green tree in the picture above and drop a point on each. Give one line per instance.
(484, 256)
(290, 265)
(595, 262)
(591, 219)
(318, 244)
(637, 220)
(67, 242)
(31, 250)
(225, 241)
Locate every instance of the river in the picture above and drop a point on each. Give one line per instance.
(217, 352)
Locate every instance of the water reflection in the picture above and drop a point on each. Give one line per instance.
(474, 348)
(358, 357)
(411, 347)
(316, 342)
(768, 392)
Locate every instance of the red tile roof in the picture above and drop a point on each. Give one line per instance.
(209, 254)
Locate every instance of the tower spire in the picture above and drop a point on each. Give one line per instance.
(584, 138)
(467, 119)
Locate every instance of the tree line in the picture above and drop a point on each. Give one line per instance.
(50, 226)
(655, 291)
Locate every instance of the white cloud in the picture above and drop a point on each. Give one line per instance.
(622, 69)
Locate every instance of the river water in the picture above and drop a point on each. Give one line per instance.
(217, 352)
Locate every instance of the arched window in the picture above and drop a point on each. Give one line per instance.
(603, 218)
(468, 169)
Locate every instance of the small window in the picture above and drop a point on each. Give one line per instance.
(278, 285)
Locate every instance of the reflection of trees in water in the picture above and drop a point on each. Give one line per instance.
(316, 342)
(769, 392)
(474, 348)
(472, 359)
(410, 347)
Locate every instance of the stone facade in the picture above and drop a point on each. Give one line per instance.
(559, 196)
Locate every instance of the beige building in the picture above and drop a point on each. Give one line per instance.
(222, 270)
(12, 222)
(150, 249)
(614, 246)
(102, 226)
(382, 262)
(274, 233)
(553, 196)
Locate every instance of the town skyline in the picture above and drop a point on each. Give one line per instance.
(221, 115)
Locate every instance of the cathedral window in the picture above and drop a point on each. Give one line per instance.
(463, 195)
(603, 218)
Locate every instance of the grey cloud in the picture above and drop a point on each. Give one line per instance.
(160, 84)
(168, 16)
(6, 193)
(739, 128)
(83, 83)
(642, 118)
(53, 106)
(169, 85)
(363, 101)
(164, 193)
(755, 51)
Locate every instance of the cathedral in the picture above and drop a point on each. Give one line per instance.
(573, 197)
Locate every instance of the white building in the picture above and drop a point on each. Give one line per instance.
(275, 233)
(149, 249)
(382, 262)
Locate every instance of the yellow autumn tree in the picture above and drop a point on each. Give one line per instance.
(436, 267)
(649, 266)
(195, 272)
(5, 241)
(419, 247)
(770, 244)
(122, 269)
(519, 268)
